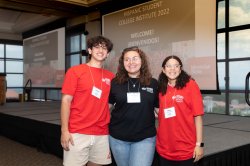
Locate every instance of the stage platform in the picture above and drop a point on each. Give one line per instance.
(37, 124)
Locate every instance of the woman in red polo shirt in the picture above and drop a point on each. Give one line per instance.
(179, 134)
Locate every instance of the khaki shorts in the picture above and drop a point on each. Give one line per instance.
(93, 148)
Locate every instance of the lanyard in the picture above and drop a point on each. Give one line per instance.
(93, 77)
(172, 99)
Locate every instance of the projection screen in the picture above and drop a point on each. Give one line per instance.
(44, 59)
(168, 27)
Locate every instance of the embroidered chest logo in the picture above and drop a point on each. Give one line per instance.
(150, 90)
(178, 98)
(106, 80)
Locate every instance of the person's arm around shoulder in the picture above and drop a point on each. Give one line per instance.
(66, 137)
(111, 107)
(198, 151)
(156, 112)
(156, 103)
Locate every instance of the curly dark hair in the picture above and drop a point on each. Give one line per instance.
(181, 81)
(94, 41)
(145, 74)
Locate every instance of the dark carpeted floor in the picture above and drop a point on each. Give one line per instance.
(15, 154)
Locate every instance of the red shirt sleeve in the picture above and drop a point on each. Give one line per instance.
(197, 102)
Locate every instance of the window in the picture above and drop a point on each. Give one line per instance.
(221, 46)
(214, 103)
(239, 44)
(239, 12)
(221, 75)
(233, 59)
(238, 105)
(72, 60)
(221, 15)
(76, 43)
(238, 74)
(11, 63)
(14, 66)
(1, 66)
(13, 51)
(1, 50)
(14, 80)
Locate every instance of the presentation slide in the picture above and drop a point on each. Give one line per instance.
(162, 28)
(44, 59)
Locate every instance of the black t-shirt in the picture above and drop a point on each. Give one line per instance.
(133, 121)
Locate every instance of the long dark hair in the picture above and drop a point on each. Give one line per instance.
(122, 75)
(181, 80)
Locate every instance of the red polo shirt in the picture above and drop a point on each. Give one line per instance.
(88, 114)
(176, 136)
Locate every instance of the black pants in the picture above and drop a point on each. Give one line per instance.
(166, 162)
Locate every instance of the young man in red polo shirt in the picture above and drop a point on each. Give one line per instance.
(84, 109)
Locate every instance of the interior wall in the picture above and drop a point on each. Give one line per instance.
(9, 36)
(92, 23)
(93, 28)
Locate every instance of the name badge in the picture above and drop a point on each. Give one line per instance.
(96, 92)
(169, 112)
(133, 97)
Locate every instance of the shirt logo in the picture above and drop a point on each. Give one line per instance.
(178, 98)
(106, 80)
(148, 89)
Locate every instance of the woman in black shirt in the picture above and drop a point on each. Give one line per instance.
(134, 94)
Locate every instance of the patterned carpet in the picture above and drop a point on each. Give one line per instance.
(15, 154)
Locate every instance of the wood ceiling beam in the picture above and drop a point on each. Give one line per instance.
(85, 3)
(44, 7)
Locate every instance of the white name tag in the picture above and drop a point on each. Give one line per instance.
(133, 97)
(96, 92)
(169, 112)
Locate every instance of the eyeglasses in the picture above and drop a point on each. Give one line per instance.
(134, 59)
(100, 46)
(172, 66)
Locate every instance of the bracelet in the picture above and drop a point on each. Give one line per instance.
(200, 144)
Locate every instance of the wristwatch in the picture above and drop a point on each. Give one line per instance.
(200, 144)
